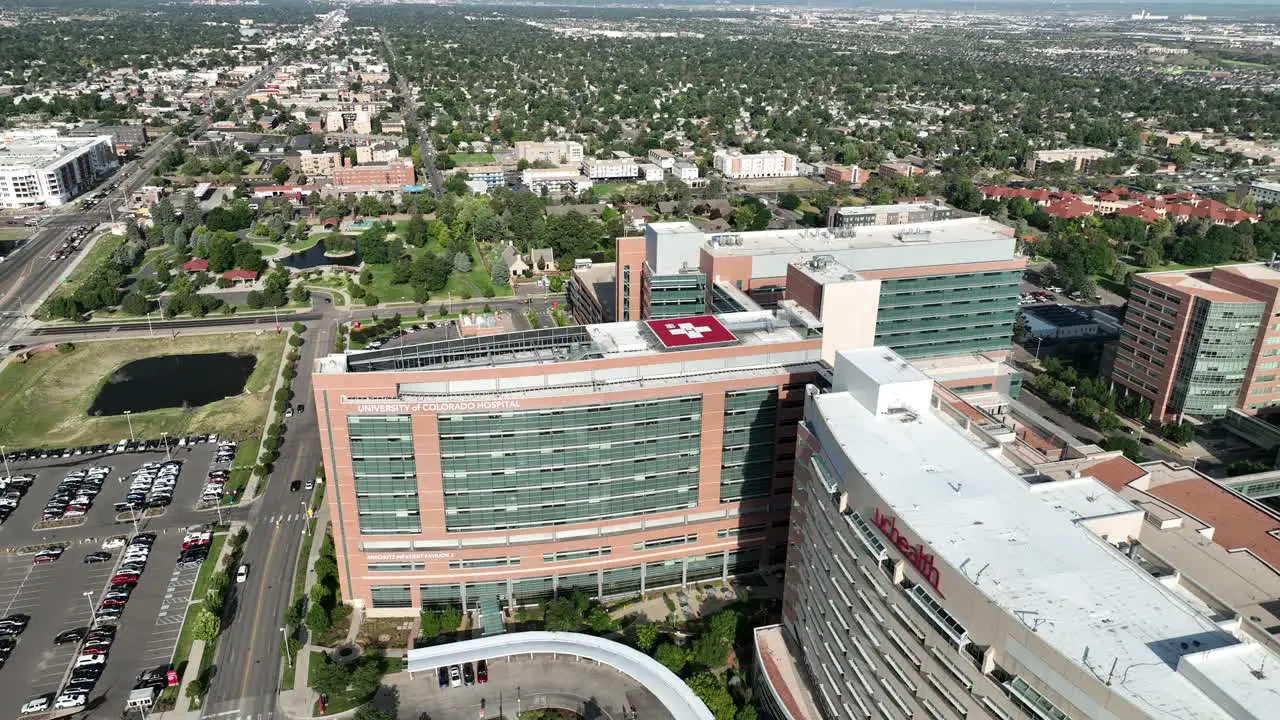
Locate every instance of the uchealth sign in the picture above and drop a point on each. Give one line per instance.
(442, 406)
(920, 558)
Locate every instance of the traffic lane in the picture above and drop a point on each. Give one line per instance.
(135, 628)
(248, 660)
(53, 596)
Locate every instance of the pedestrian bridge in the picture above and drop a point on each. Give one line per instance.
(670, 690)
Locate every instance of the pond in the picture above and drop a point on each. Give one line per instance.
(173, 381)
(315, 256)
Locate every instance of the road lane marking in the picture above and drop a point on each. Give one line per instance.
(257, 615)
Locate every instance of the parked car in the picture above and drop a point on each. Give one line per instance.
(69, 636)
(455, 676)
(37, 705)
(482, 671)
(468, 674)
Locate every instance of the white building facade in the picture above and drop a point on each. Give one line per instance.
(735, 165)
(42, 168)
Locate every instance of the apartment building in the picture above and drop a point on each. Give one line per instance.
(685, 172)
(555, 180)
(375, 178)
(357, 118)
(374, 154)
(736, 165)
(610, 168)
(319, 164)
(662, 158)
(590, 292)
(493, 176)
(605, 459)
(1201, 342)
(566, 152)
(896, 214)
(1083, 160)
(1263, 193)
(40, 167)
(925, 578)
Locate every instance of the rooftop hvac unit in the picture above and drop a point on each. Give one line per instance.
(821, 261)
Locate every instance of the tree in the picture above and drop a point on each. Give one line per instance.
(330, 678)
(371, 713)
(724, 625)
(709, 651)
(671, 655)
(317, 619)
(462, 262)
(207, 626)
(1178, 432)
(789, 201)
(135, 303)
(195, 688)
(646, 636)
(1131, 448)
(711, 690)
(280, 173)
(563, 614)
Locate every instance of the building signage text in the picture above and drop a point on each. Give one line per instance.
(397, 557)
(920, 558)
(443, 406)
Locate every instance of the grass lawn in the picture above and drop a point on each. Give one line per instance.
(386, 290)
(45, 401)
(13, 233)
(267, 249)
(310, 241)
(604, 190)
(463, 159)
(242, 466)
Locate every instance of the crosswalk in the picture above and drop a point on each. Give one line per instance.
(285, 517)
(236, 709)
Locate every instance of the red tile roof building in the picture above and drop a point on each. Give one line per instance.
(195, 265)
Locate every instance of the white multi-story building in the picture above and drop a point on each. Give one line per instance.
(651, 172)
(1263, 193)
(685, 171)
(1083, 160)
(558, 153)
(610, 168)
(40, 167)
(555, 180)
(662, 158)
(771, 163)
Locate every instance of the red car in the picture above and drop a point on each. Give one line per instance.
(482, 671)
(124, 578)
(198, 542)
(46, 557)
(114, 602)
(98, 650)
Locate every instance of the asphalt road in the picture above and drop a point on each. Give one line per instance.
(426, 151)
(246, 680)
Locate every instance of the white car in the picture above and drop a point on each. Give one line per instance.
(112, 543)
(90, 660)
(242, 574)
(70, 701)
(39, 704)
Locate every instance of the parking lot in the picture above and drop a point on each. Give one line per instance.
(64, 594)
(18, 529)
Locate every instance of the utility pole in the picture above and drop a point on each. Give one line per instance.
(127, 414)
(7, 474)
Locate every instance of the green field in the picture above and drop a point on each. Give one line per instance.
(13, 233)
(93, 259)
(45, 401)
(464, 159)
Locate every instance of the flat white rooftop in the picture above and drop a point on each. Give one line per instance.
(803, 241)
(39, 149)
(1079, 594)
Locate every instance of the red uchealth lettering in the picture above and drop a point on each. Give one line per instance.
(922, 560)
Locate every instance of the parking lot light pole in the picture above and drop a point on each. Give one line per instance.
(127, 414)
(167, 455)
(7, 474)
(150, 330)
(288, 654)
(88, 598)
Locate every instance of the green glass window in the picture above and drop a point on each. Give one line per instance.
(386, 483)
(390, 596)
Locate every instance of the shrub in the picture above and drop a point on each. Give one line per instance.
(66, 347)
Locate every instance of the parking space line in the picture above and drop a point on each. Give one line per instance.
(18, 590)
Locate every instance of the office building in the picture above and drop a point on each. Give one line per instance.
(318, 164)
(1082, 160)
(1201, 342)
(124, 138)
(566, 152)
(1263, 193)
(610, 168)
(685, 172)
(605, 459)
(590, 292)
(926, 289)
(925, 578)
(39, 167)
(896, 214)
(736, 165)
(394, 175)
(374, 154)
